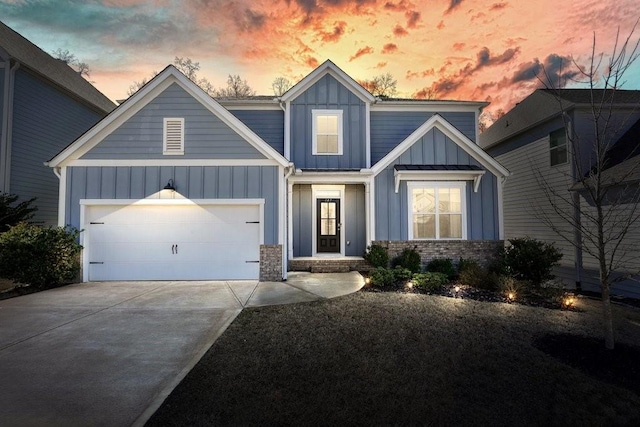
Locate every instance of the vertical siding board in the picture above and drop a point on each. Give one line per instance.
(269, 186)
(151, 180)
(137, 182)
(253, 181)
(93, 183)
(196, 190)
(302, 230)
(224, 182)
(108, 183)
(239, 180)
(354, 222)
(167, 173)
(181, 180)
(210, 187)
(123, 183)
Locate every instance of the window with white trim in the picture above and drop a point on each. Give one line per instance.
(437, 210)
(173, 136)
(558, 154)
(327, 132)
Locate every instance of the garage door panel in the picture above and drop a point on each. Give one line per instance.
(187, 242)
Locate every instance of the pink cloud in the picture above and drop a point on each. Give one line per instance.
(389, 48)
(368, 50)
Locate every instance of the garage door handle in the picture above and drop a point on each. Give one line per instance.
(174, 249)
(252, 222)
(252, 262)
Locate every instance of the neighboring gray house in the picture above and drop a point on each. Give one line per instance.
(530, 140)
(44, 105)
(177, 185)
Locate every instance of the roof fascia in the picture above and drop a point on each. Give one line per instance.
(429, 106)
(437, 121)
(330, 68)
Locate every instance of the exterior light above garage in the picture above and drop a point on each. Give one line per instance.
(170, 186)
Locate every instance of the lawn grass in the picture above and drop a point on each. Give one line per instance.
(390, 359)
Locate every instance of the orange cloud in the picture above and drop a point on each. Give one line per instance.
(389, 48)
(336, 34)
(398, 31)
(368, 50)
(413, 17)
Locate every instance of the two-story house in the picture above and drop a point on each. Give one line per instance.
(44, 105)
(174, 184)
(542, 140)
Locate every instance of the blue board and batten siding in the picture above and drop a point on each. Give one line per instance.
(45, 120)
(267, 124)
(434, 148)
(205, 135)
(390, 128)
(354, 223)
(192, 182)
(328, 94)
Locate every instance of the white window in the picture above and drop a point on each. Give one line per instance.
(558, 154)
(173, 136)
(437, 210)
(327, 132)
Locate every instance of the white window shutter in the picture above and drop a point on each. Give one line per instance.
(173, 136)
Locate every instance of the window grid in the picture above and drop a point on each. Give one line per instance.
(436, 211)
(327, 132)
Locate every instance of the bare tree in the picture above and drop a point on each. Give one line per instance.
(487, 118)
(280, 85)
(187, 67)
(382, 86)
(236, 88)
(70, 59)
(601, 209)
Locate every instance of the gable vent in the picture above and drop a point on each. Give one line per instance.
(173, 136)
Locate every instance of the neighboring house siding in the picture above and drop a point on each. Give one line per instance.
(389, 128)
(267, 124)
(44, 122)
(328, 94)
(353, 225)
(434, 148)
(192, 182)
(205, 135)
(525, 200)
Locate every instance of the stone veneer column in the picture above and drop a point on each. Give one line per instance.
(270, 263)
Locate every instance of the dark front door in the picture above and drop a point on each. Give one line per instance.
(328, 227)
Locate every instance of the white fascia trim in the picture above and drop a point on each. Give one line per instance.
(330, 68)
(156, 202)
(500, 189)
(454, 134)
(463, 206)
(338, 178)
(429, 106)
(173, 162)
(474, 176)
(62, 196)
(141, 98)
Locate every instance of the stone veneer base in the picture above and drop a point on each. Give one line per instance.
(270, 263)
(482, 251)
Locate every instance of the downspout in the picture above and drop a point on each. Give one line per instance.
(7, 125)
(288, 221)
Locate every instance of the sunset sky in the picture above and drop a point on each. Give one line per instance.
(462, 49)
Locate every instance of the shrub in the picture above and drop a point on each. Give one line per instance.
(475, 276)
(530, 259)
(377, 256)
(430, 281)
(402, 274)
(464, 264)
(442, 265)
(382, 277)
(409, 259)
(39, 256)
(11, 213)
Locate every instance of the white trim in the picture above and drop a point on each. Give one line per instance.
(367, 133)
(62, 197)
(168, 76)
(314, 131)
(332, 69)
(320, 192)
(443, 175)
(85, 203)
(372, 209)
(429, 106)
(440, 184)
(367, 212)
(500, 189)
(436, 121)
(301, 177)
(172, 162)
(289, 219)
(165, 132)
(282, 218)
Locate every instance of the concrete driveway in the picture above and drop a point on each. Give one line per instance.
(109, 353)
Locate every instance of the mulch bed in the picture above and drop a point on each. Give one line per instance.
(618, 366)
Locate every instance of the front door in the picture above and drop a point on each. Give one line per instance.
(328, 227)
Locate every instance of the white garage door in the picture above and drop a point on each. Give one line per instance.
(172, 242)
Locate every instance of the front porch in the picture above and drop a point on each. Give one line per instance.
(328, 264)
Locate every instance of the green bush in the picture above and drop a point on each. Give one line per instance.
(530, 259)
(377, 256)
(409, 259)
(442, 265)
(402, 274)
(430, 281)
(464, 264)
(12, 213)
(477, 277)
(382, 277)
(39, 256)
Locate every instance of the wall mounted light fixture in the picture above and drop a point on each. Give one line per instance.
(170, 186)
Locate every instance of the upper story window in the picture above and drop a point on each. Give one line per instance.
(558, 153)
(437, 210)
(173, 136)
(327, 132)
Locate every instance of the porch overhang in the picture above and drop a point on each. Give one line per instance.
(438, 173)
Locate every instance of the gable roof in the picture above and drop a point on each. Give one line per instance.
(58, 72)
(544, 104)
(141, 98)
(438, 122)
(332, 69)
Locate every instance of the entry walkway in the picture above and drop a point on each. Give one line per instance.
(107, 354)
